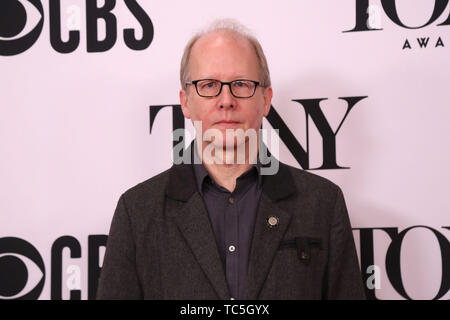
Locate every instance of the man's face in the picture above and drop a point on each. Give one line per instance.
(225, 57)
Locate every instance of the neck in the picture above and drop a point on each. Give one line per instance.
(224, 166)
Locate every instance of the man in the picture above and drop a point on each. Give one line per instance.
(221, 229)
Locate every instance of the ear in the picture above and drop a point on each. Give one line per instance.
(268, 93)
(183, 102)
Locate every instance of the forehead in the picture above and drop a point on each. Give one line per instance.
(223, 54)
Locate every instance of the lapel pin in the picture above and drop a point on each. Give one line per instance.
(272, 221)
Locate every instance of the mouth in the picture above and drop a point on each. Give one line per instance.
(227, 123)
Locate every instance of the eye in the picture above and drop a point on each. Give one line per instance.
(208, 84)
(241, 84)
(22, 272)
(21, 23)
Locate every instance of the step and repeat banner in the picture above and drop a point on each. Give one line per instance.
(89, 102)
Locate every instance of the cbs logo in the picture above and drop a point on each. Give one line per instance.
(21, 265)
(22, 270)
(22, 21)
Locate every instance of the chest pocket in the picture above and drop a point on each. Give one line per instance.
(304, 247)
(297, 270)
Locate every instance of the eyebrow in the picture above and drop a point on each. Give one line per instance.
(219, 78)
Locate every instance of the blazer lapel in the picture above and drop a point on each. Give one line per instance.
(193, 222)
(266, 240)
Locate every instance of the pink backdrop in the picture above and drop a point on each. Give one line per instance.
(75, 128)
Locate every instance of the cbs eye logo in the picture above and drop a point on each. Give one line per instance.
(13, 19)
(18, 260)
(20, 28)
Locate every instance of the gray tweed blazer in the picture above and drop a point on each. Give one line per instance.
(161, 243)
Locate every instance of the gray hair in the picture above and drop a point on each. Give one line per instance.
(234, 27)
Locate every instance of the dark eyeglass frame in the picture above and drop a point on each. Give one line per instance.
(222, 83)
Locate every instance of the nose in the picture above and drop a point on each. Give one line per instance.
(226, 98)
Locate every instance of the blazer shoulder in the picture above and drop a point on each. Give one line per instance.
(316, 195)
(150, 189)
(305, 180)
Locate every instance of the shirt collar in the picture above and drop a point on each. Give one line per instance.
(201, 173)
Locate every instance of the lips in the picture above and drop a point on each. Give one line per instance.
(227, 123)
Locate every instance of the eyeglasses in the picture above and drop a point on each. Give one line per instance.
(240, 88)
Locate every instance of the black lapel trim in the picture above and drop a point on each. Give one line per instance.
(182, 183)
(280, 185)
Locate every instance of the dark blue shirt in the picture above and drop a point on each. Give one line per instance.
(232, 216)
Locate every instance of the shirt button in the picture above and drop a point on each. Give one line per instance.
(231, 200)
(231, 248)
